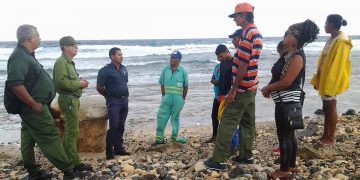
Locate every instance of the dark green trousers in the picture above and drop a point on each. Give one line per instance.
(239, 113)
(40, 128)
(69, 106)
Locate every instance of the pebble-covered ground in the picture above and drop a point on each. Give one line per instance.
(185, 161)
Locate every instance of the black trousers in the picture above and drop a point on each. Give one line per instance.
(214, 116)
(287, 141)
(117, 111)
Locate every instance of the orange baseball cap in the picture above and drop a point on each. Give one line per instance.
(242, 7)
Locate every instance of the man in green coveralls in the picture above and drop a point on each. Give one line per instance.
(174, 86)
(69, 86)
(37, 125)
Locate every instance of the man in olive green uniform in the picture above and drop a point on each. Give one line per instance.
(34, 87)
(69, 86)
(174, 85)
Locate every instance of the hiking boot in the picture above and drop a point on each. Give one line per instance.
(211, 140)
(40, 175)
(83, 167)
(122, 152)
(243, 161)
(210, 164)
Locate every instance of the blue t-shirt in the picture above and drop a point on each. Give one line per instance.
(216, 74)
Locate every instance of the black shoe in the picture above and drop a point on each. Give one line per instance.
(122, 153)
(68, 175)
(83, 167)
(71, 174)
(215, 165)
(110, 156)
(40, 175)
(243, 161)
(211, 140)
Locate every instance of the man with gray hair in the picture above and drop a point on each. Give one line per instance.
(35, 89)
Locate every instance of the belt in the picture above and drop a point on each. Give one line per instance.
(117, 97)
(69, 95)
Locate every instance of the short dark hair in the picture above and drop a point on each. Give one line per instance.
(336, 20)
(221, 49)
(113, 51)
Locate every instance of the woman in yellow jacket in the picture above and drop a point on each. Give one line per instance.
(333, 74)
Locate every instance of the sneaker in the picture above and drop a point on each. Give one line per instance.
(40, 175)
(122, 153)
(245, 161)
(83, 167)
(211, 140)
(215, 165)
(180, 140)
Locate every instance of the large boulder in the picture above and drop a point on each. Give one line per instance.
(93, 121)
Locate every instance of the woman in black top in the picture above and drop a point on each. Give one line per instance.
(287, 75)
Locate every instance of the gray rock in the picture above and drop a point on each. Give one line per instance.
(268, 170)
(314, 169)
(342, 138)
(115, 169)
(319, 112)
(349, 112)
(237, 171)
(261, 175)
(310, 130)
(162, 173)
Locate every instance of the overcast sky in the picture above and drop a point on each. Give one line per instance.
(163, 19)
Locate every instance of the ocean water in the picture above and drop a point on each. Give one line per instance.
(144, 60)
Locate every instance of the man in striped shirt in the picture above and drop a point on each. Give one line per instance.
(240, 108)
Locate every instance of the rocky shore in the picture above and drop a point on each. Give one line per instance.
(185, 161)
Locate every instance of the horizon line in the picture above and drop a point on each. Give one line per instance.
(156, 39)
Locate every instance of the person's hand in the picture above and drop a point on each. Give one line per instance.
(265, 92)
(37, 107)
(84, 83)
(230, 97)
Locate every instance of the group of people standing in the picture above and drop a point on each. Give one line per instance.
(31, 84)
(237, 90)
(235, 80)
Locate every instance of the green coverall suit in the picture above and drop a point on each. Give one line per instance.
(172, 102)
(68, 85)
(24, 69)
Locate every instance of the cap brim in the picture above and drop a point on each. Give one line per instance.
(231, 36)
(232, 15)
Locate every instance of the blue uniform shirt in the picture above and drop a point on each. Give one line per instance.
(216, 74)
(114, 80)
